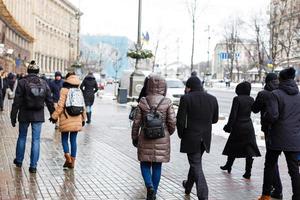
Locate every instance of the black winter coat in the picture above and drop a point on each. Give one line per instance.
(260, 104)
(283, 112)
(197, 112)
(55, 87)
(89, 87)
(241, 142)
(19, 105)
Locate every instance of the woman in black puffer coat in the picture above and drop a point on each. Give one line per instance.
(241, 142)
(89, 87)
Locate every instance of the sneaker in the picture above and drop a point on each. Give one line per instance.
(19, 165)
(32, 170)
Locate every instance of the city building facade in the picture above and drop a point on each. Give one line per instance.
(15, 41)
(285, 32)
(242, 62)
(54, 26)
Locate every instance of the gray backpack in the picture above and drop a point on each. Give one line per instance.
(75, 102)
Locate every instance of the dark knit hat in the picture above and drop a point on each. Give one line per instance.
(288, 73)
(58, 73)
(270, 77)
(194, 83)
(243, 88)
(1, 68)
(33, 68)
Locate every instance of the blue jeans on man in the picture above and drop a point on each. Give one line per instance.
(35, 142)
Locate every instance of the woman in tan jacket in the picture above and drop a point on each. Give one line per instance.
(153, 152)
(68, 125)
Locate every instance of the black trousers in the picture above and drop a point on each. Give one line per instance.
(196, 175)
(270, 169)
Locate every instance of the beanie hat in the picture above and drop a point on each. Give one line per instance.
(288, 73)
(194, 83)
(33, 68)
(270, 77)
(58, 73)
(194, 73)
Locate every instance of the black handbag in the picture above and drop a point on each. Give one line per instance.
(132, 113)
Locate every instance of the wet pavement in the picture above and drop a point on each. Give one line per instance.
(107, 166)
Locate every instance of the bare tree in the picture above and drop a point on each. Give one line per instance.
(231, 40)
(193, 6)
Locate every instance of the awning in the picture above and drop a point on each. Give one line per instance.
(12, 23)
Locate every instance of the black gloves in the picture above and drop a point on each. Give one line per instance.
(227, 129)
(13, 123)
(83, 123)
(52, 120)
(135, 142)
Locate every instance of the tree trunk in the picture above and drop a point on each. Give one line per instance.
(193, 46)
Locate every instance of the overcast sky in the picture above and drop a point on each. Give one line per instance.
(167, 21)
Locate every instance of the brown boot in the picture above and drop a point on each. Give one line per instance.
(72, 162)
(265, 197)
(68, 162)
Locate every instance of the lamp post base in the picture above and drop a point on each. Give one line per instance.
(136, 83)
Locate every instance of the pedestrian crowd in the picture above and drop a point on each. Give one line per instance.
(154, 122)
(70, 102)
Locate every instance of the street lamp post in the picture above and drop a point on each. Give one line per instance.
(136, 78)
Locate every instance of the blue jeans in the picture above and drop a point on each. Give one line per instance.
(35, 142)
(151, 179)
(65, 142)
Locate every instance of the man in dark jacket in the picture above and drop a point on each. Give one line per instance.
(283, 112)
(197, 112)
(55, 86)
(31, 95)
(260, 105)
(89, 87)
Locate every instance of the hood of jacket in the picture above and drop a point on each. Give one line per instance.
(156, 85)
(271, 85)
(243, 88)
(90, 77)
(72, 80)
(289, 86)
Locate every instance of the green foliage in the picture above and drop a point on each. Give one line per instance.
(139, 54)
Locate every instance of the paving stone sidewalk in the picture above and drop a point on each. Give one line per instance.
(107, 166)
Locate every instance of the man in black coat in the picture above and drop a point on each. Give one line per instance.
(89, 87)
(260, 105)
(197, 112)
(31, 95)
(283, 112)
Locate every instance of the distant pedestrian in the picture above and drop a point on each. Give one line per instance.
(11, 84)
(241, 142)
(153, 142)
(197, 112)
(69, 123)
(31, 95)
(4, 85)
(1, 89)
(260, 105)
(89, 88)
(283, 112)
(55, 87)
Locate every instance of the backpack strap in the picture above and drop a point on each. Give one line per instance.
(155, 108)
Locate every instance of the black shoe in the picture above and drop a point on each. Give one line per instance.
(247, 175)
(276, 195)
(186, 190)
(32, 170)
(150, 194)
(225, 167)
(17, 163)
